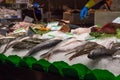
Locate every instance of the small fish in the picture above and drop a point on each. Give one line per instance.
(84, 50)
(100, 52)
(44, 45)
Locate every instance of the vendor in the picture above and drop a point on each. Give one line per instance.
(91, 3)
(36, 6)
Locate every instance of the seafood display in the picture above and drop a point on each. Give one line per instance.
(78, 46)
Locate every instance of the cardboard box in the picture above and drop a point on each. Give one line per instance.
(103, 17)
(74, 18)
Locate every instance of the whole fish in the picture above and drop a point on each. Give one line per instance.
(58, 48)
(28, 43)
(12, 43)
(86, 48)
(44, 45)
(100, 52)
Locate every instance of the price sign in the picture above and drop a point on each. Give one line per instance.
(22, 1)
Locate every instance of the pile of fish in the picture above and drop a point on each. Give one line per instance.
(71, 45)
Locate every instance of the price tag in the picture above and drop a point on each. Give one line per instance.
(117, 20)
(28, 19)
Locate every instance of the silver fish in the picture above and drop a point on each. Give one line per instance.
(44, 45)
(100, 52)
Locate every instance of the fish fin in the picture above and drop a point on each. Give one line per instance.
(69, 53)
(77, 54)
(5, 49)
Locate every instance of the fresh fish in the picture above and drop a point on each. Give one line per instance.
(60, 47)
(23, 45)
(44, 45)
(28, 43)
(85, 49)
(4, 40)
(70, 46)
(12, 43)
(34, 40)
(100, 52)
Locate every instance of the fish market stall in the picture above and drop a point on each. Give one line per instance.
(46, 49)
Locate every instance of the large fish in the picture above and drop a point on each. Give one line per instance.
(84, 49)
(61, 47)
(12, 43)
(43, 45)
(100, 52)
(28, 43)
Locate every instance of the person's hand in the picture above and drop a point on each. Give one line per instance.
(84, 13)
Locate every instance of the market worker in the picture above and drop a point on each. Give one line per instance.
(36, 6)
(91, 3)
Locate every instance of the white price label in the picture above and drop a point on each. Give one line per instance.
(117, 20)
(28, 19)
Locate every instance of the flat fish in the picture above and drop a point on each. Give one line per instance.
(84, 50)
(43, 45)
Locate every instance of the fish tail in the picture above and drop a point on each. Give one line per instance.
(6, 48)
(77, 54)
(45, 55)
